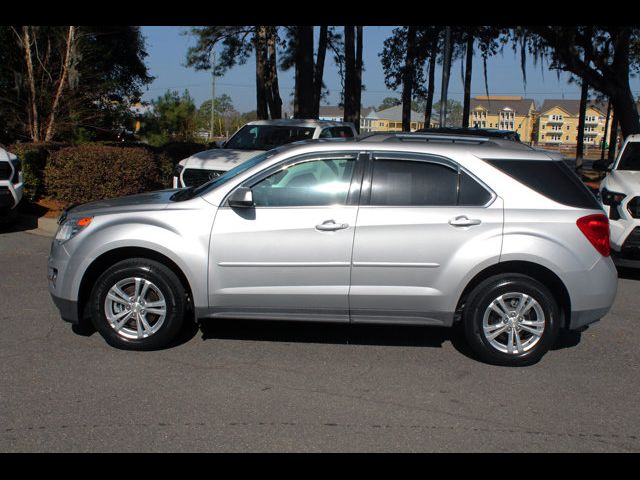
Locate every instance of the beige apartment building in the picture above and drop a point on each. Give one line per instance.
(559, 123)
(390, 120)
(504, 113)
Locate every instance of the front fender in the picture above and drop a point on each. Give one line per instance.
(182, 236)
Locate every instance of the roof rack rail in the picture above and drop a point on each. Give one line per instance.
(441, 137)
(427, 137)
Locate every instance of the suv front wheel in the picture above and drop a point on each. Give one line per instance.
(511, 319)
(138, 304)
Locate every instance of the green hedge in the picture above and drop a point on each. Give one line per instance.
(94, 172)
(34, 158)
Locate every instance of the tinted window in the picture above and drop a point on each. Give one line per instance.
(471, 193)
(266, 137)
(336, 132)
(398, 182)
(553, 179)
(630, 158)
(312, 183)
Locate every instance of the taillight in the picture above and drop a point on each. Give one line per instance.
(596, 229)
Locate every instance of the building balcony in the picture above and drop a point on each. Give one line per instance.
(554, 140)
(591, 122)
(556, 121)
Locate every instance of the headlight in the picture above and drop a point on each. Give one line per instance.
(71, 227)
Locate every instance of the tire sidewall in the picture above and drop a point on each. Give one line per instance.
(488, 291)
(163, 278)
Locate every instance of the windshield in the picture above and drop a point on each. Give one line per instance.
(630, 158)
(266, 137)
(228, 175)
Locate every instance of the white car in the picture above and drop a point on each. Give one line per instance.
(250, 140)
(620, 194)
(11, 182)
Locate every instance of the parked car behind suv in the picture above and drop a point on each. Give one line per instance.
(11, 183)
(252, 139)
(395, 229)
(620, 194)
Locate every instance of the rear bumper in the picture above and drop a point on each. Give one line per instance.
(585, 317)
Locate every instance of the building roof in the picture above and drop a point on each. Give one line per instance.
(334, 111)
(495, 104)
(394, 114)
(571, 106)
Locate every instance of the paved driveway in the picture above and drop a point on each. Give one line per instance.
(249, 386)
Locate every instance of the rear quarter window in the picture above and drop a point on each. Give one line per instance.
(553, 179)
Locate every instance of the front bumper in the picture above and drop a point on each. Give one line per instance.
(68, 309)
(10, 194)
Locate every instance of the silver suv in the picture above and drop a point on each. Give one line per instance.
(396, 229)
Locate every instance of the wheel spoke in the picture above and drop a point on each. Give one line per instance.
(493, 331)
(118, 295)
(145, 288)
(117, 325)
(519, 348)
(157, 311)
(510, 341)
(117, 299)
(139, 326)
(136, 294)
(145, 324)
(157, 303)
(533, 331)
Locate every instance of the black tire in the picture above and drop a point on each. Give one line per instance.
(164, 279)
(481, 298)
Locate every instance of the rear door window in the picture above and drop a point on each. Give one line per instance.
(553, 179)
(412, 182)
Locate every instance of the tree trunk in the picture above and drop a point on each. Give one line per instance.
(446, 67)
(467, 82)
(358, 78)
(606, 127)
(407, 78)
(584, 94)
(319, 70)
(613, 137)
(273, 90)
(303, 100)
(61, 83)
(32, 113)
(431, 86)
(261, 69)
(350, 109)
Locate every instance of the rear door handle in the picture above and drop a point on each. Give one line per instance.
(464, 221)
(331, 225)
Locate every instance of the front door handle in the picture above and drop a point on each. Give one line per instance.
(464, 221)
(331, 225)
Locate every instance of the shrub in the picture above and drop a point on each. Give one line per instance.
(93, 172)
(34, 157)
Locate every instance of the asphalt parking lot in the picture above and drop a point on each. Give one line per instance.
(268, 386)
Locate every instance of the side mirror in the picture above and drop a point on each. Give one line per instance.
(241, 197)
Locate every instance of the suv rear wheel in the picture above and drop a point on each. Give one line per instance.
(511, 319)
(138, 304)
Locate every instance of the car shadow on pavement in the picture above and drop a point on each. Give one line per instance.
(629, 273)
(18, 223)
